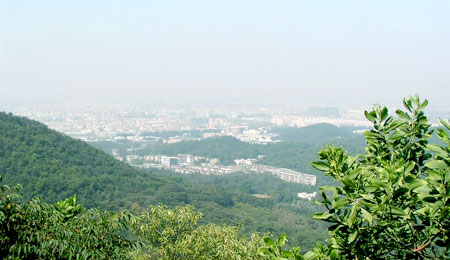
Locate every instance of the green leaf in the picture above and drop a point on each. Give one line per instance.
(394, 125)
(422, 106)
(378, 183)
(437, 164)
(409, 179)
(416, 183)
(445, 123)
(403, 115)
(409, 166)
(329, 188)
(353, 236)
(352, 217)
(367, 216)
(398, 211)
(310, 255)
(334, 255)
(321, 166)
(434, 230)
(367, 203)
(437, 149)
(422, 191)
(369, 116)
(268, 241)
(282, 239)
(322, 216)
(340, 203)
(397, 134)
(384, 113)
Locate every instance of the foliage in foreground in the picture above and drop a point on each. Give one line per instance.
(66, 230)
(393, 202)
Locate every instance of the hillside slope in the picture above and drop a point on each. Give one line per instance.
(312, 133)
(54, 166)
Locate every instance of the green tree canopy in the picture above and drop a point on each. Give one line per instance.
(393, 202)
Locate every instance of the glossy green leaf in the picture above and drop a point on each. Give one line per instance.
(403, 115)
(369, 116)
(384, 113)
(340, 203)
(437, 164)
(322, 216)
(398, 211)
(352, 217)
(321, 166)
(352, 236)
(422, 106)
(437, 149)
(416, 183)
(446, 123)
(367, 216)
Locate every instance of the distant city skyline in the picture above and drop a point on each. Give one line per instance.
(315, 53)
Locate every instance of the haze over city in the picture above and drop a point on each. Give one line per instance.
(269, 52)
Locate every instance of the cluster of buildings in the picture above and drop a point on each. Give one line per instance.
(117, 123)
(305, 120)
(186, 164)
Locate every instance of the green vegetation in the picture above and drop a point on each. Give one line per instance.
(54, 167)
(299, 141)
(297, 151)
(311, 134)
(226, 149)
(393, 202)
(65, 230)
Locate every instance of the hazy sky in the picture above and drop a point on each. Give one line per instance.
(324, 52)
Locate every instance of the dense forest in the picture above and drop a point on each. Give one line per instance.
(54, 166)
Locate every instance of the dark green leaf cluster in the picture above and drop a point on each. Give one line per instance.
(394, 201)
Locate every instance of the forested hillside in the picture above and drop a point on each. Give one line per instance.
(313, 133)
(54, 166)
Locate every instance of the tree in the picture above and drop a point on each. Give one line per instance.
(65, 230)
(174, 234)
(393, 202)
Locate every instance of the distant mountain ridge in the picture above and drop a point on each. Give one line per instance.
(311, 133)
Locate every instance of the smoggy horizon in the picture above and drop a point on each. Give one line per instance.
(325, 53)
